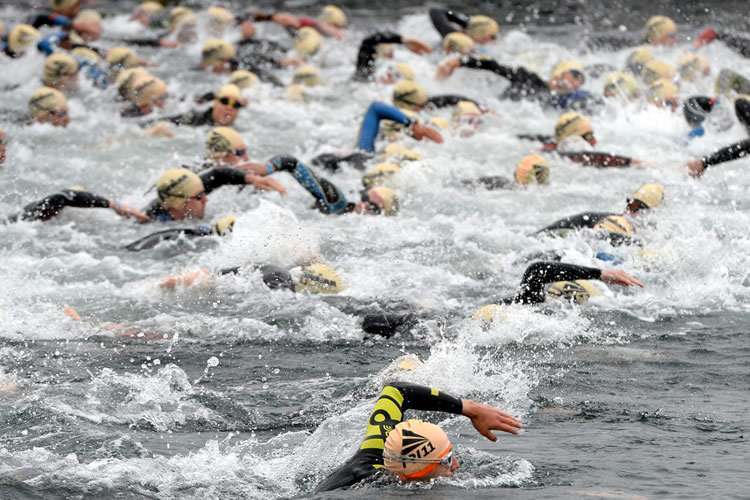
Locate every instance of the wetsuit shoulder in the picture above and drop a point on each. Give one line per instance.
(540, 274)
(739, 44)
(447, 21)
(368, 52)
(578, 221)
(221, 176)
(445, 100)
(194, 118)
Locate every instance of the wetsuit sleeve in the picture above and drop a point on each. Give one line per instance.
(189, 119)
(739, 44)
(523, 82)
(50, 19)
(539, 274)
(328, 198)
(223, 176)
(729, 153)
(446, 100)
(377, 111)
(586, 219)
(153, 239)
(547, 139)
(447, 21)
(368, 52)
(93, 72)
(49, 43)
(696, 109)
(597, 159)
(490, 182)
(605, 42)
(52, 205)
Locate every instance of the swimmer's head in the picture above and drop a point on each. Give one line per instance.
(147, 92)
(567, 76)
(333, 15)
(487, 315)
(319, 278)
(217, 55)
(48, 105)
(648, 196)
(637, 59)
(60, 72)
(21, 37)
(395, 72)
(88, 25)
(482, 29)
(663, 93)
(379, 174)
(574, 124)
(226, 146)
(408, 94)
(616, 227)
(532, 169)
(399, 151)
(225, 225)
(181, 190)
(146, 11)
(67, 8)
(656, 69)
(126, 78)
(416, 450)
(578, 291)
(621, 84)
(380, 200)
(243, 79)
(692, 66)
(120, 58)
(227, 104)
(307, 42)
(458, 42)
(467, 116)
(661, 30)
(219, 19)
(86, 54)
(307, 75)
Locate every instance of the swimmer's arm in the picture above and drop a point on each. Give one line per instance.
(50, 19)
(729, 153)
(598, 159)
(487, 64)
(586, 219)
(447, 21)
(223, 176)
(739, 44)
(445, 100)
(539, 274)
(49, 43)
(368, 52)
(187, 279)
(377, 111)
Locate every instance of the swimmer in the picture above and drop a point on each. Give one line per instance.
(60, 72)
(48, 105)
(368, 51)
(221, 227)
(19, 40)
(739, 44)
(412, 449)
(219, 56)
(61, 14)
(702, 111)
(144, 94)
(51, 206)
(85, 28)
(736, 151)
(226, 104)
(531, 169)
(481, 29)
(659, 31)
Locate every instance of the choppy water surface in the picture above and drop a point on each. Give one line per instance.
(235, 391)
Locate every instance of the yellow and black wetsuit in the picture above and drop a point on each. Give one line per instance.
(394, 401)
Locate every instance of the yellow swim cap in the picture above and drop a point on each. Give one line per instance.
(57, 68)
(389, 198)
(692, 66)
(621, 84)
(572, 124)
(658, 27)
(222, 141)
(46, 100)
(243, 78)
(21, 37)
(177, 15)
(651, 195)
(219, 19)
(379, 174)
(466, 109)
(176, 186)
(146, 90)
(122, 58)
(332, 14)
(88, 16)
(63, 4)
(87, 54)
(307, 42)
(217, 51)
(564, 66)
(662, 91)
(396, 150)
(409, 94)
(307, 75)
(232, 93)
(532, 169)
(413, 449)
(458, 42)
(404, 71)
(655, 69)
(150, 8)
(319, 278)
(481, 27)
(730, 82)
(225, 225)
(615, 224)
(637, 59)
(578, 291)
(126, 78)
(295, 92)
(487, 314)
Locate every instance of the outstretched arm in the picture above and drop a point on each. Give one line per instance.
(729, 153)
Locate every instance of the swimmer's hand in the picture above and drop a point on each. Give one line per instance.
(486, 419)
(167, 44)
(696, 168)
(127, 212)
(617, 277)
(265, 183)
(416, 46)
(707, 36)
(71, 313)
(330, 30)
(247, 28)
(291, 62)
(286, 20)
(187, 279)
(160, 129)
(447, 67)
(419, 132)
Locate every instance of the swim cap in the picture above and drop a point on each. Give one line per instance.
(401, 151)
(467, 109)
(487, 314)
(222, 141)
(658, 27)
(86, 54)
(389, 198)
(120, 58)
(662, 91)
(379, 174)
(307, 42)
(225, 225)
(21, 37)
(319, 278)
(622, 84)
(147, 89)
(655, 69)
(615, 224)
(413, 449)
(45, 100)
(650, 195)
(63, 4)
(177, 15)
(332, 14)
(231, 92)
(404, 71)
(637, 59)
(243, 78)
(126, 78)
(218, 19)
(57, 68)
(458, 42)
(481, 27)
(409, 94)
(440, 122)
(564, 66)
(150, 8)
(532, 169)
(578, 291)
(176, 186)
(88, 16)
(307, 75)
(295, 92)
(217, 51)
(729, 82)
(572, 124)
(692, 66)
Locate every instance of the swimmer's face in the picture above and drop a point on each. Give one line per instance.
(57, 117)
(485, 39)
(224, 112)
(141, 16)
(569, 81)
(667, 40)
(90, 32)
(68, 83)
(234, 157)
(195, 207)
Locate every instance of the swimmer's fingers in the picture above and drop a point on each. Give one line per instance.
(696, 168)
(447, 67)
(618, 277)
(419, 132)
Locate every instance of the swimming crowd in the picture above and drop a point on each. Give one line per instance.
(71, 37)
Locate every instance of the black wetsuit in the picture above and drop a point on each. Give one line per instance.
(728, 153)
(447, 100)
(586, 220)
(194, 118)
(52, 205)
(739, 44)
(260, 57)
(50, 18)
(697, 108)
(335, 162)
(368, 53)
(447, 21)
(150, 241)
(394, 401)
